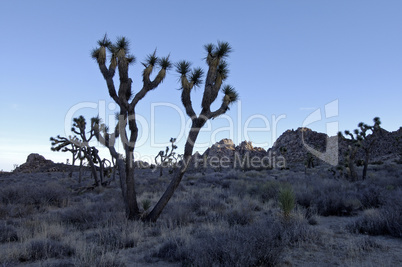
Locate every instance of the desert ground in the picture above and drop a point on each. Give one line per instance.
(216, 218)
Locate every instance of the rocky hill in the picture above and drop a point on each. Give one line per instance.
(292, 145)
(292, 148)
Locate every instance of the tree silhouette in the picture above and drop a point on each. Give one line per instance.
(121, 59)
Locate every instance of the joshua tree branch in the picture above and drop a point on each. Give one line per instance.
(148, 85)
(186, 100)
(108, 76)
(222, 110)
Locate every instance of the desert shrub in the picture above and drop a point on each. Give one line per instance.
(8, 233)
(231, 175)
(384, 221)
(107, 260)
(254, 173)
(237, 217)
(264, 191)
(10, 194)
(296, 229)
(79, 217)
(111, 239)
(48, 194)
(179, 214)
(337, 204)
(328, 198)
(239, 188)
(370, 196)
(171, 251)
(45, 248)
(241, 214)
(91, 254)
(259, 244)
(3, 211)
(51, 194)
(210, 179)
(366, 244)
(89, 215)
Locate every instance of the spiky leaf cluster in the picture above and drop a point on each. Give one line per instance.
(231, 93)
(222, 50)
(190, 78)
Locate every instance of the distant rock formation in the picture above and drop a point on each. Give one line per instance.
(291, 144)
(290, 149)
(223, 148)
(35, 163)
(224, 155)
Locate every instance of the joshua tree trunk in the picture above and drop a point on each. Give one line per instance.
(93, 169)
(72, 165)
(133, 210)
(351, 163)
(80, 172)
(174, 183)
(366, 162)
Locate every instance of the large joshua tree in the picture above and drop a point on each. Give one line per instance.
(191, 78)
(120, 58)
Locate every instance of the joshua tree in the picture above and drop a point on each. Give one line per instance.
(166, 157)
(361, 139)
(190, 79)
(120, 58)
(309, 163)
(71, 144)
(367, 143)
(80, 147)
(350, 157)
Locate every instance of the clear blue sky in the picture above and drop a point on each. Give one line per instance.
(289, 59)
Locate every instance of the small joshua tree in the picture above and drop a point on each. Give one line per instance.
(309, 163)
(167, 157)
(121, 59)
(286, 200)
(367, 143)
(360, 139)
(80, 146)
(71, 144)
(190, 79)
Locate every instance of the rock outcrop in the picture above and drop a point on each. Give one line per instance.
(290, 149)
(224, 154)
(223, 148)
(292, 144)
(35, 163)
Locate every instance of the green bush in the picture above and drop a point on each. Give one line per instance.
(286, 200)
